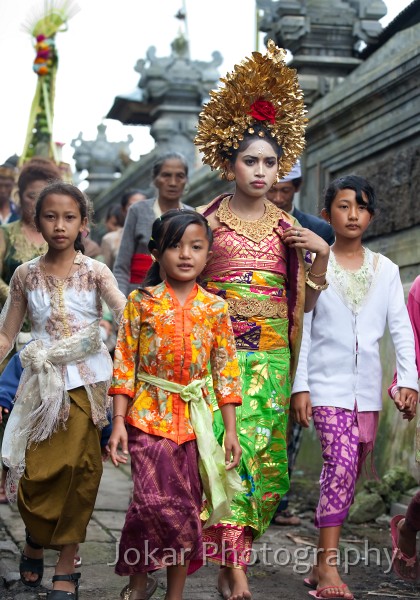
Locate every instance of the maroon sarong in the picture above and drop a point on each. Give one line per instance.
(162, 526)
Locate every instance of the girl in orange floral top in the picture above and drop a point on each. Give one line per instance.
(171, 331)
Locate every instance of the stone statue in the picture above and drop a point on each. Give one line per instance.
(101, 158)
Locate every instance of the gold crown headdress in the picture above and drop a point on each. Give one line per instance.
(260, 90)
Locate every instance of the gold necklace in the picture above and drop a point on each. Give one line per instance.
(253, 230)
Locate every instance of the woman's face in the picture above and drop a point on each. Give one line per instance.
(137, 197)
(112, 223)
(28, 200)
(171, 181)
(255, 168)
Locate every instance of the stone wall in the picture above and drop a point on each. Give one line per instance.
(370, 125)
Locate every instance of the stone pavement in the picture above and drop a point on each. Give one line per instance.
(284, 556)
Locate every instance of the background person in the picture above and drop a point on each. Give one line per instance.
(111, 241)
(170, 176)
(20, 240)
(404, 528)
(9, 212)
(282, 194)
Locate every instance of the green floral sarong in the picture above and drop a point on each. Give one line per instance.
(262, 425)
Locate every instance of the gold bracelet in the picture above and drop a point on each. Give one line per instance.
(315, 286)
(115, 416)
(317, 274)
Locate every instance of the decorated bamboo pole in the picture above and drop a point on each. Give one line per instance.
(43, 28)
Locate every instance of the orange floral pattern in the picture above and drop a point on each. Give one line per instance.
(160, 337)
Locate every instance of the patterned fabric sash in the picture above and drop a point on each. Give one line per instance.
(219, 484)
(42, 403)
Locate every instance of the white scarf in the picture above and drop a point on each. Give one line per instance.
(42, 403)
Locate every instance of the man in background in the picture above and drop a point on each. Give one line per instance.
(282, 195)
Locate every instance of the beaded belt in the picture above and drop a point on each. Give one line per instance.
(252, 307)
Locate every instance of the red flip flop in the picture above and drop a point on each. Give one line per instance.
(411, 562)
(318, 593)
(310, 584)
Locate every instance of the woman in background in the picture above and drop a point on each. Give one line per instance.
(170, 176)
(20, 241)
(111, 241)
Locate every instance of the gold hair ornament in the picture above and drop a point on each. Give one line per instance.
(260, 90)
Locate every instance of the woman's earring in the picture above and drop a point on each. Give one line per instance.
(230, 176)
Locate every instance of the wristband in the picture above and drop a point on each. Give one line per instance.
(115, 416)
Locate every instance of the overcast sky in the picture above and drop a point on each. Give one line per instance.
(97, 56)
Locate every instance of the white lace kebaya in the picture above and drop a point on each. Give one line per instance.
(66, 353)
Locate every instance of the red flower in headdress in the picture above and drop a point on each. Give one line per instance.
(263, 110)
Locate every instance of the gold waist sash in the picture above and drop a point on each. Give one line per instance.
(254, 307)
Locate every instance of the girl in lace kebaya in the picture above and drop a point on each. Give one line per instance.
(171, 331)
(338, 379)
(52, 439)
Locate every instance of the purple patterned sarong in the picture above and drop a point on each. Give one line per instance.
(347, 437)
(162, 526)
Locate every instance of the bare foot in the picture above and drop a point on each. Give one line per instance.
(223, 583)
(239, 585)
(137, 588)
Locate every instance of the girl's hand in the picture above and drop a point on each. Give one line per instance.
(301, 408)
(3, 411)
(233, 450)
(118, 437)
(406, 401)
(300, 237)
(104, 453)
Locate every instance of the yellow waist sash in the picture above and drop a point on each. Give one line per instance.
(219, 485)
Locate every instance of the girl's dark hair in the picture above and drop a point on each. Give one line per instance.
(158, 164)
(251, 137)
(66, 189)
(351, 182)
(116, 211)
(168, 230)
(127, 195)
(37, 168)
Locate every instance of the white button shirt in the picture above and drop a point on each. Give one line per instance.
(339, 361)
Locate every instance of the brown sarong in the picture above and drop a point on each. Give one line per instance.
(162, 526)
(58, 489)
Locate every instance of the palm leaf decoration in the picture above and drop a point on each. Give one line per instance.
(43, 27)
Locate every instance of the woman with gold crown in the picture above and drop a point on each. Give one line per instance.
(252, 130)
